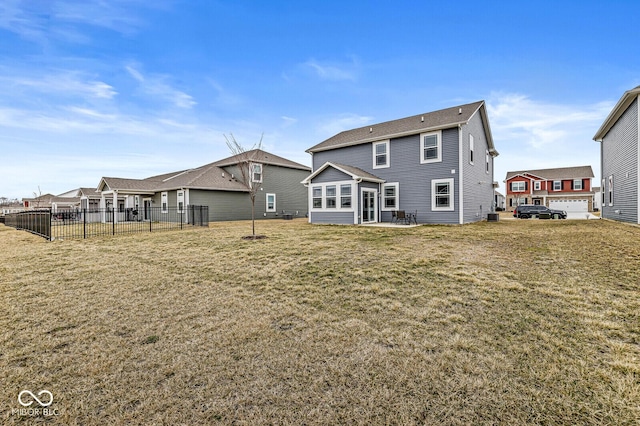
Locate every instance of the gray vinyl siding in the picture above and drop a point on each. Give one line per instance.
(223, 205)
(332, 217)
(291, 196)
(405, 168)
(331, 175)
(477, 197)
(619, 154)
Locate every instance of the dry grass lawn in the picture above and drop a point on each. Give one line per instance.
(515, 322)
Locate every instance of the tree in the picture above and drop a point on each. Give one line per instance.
(248, 169)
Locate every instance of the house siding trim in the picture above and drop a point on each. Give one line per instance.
(461, 174)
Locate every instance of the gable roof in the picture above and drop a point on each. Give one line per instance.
(426, 122)
(263, 157)
(354, 172)
(557, 173)
(211, 176)
(622, 105)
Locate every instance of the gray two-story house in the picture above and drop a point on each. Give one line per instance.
(619, 136)
(437, 166)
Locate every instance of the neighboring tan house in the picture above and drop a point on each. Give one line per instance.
(565, 188)
(217, 186)
(437, 165)
(619, 138)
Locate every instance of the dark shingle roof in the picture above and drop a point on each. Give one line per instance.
(410, 125)
(210, 176)
(557, 173)
(260, 156)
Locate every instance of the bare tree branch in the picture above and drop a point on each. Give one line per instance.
(247, 166)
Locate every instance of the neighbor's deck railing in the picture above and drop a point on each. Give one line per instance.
(85, 223)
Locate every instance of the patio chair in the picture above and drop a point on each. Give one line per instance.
(394, 216)
(402, 217)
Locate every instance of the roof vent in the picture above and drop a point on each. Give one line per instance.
(459, 110)
(222, 174)
(422, 119)
(370, 129)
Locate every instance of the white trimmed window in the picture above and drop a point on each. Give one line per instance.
(390, 196)
(442, 195)
(536, 185)
(486, 161)
(256, 173)
(180, 200)
(381, 155)
(431, 147)
(611, 190)
(345, 196)
(518, 186)
(577, 184)
(271, 203)
(557, 185)
(317, 197)
(330, 199)
(164, 197)
(470, 149)
(332, 196)
(602, 194)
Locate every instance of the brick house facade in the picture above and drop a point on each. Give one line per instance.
(568, 188)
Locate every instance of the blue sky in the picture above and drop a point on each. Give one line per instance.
(133, 88)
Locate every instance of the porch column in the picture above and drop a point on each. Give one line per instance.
(115, 206)
(103, 208)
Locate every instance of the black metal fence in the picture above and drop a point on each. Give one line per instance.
(86, 223)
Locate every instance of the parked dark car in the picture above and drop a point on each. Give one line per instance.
(528, 210)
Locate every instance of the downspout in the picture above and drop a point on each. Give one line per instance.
(356, 210)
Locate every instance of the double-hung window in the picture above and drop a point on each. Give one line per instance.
(271, 203)
(611, 190)
(390, 196)
(557, 185)
(345, 196)
(518, 186)
(442, 195)
(602, 189)
(536, 185)
(381, 154)
(471, 149)
(330, 199)
(256, 173)
(431, 147)
(577, 184)
(486, 161)
(164, 202)
(180, 201)
(317, 197)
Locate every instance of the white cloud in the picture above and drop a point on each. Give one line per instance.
(333, 72)
(156, 86)
(64, 83)
(532, 134)
(342, 122)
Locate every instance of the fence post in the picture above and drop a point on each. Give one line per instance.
(84, 223)
(113, 220)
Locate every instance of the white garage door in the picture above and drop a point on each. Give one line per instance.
(570, 205)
